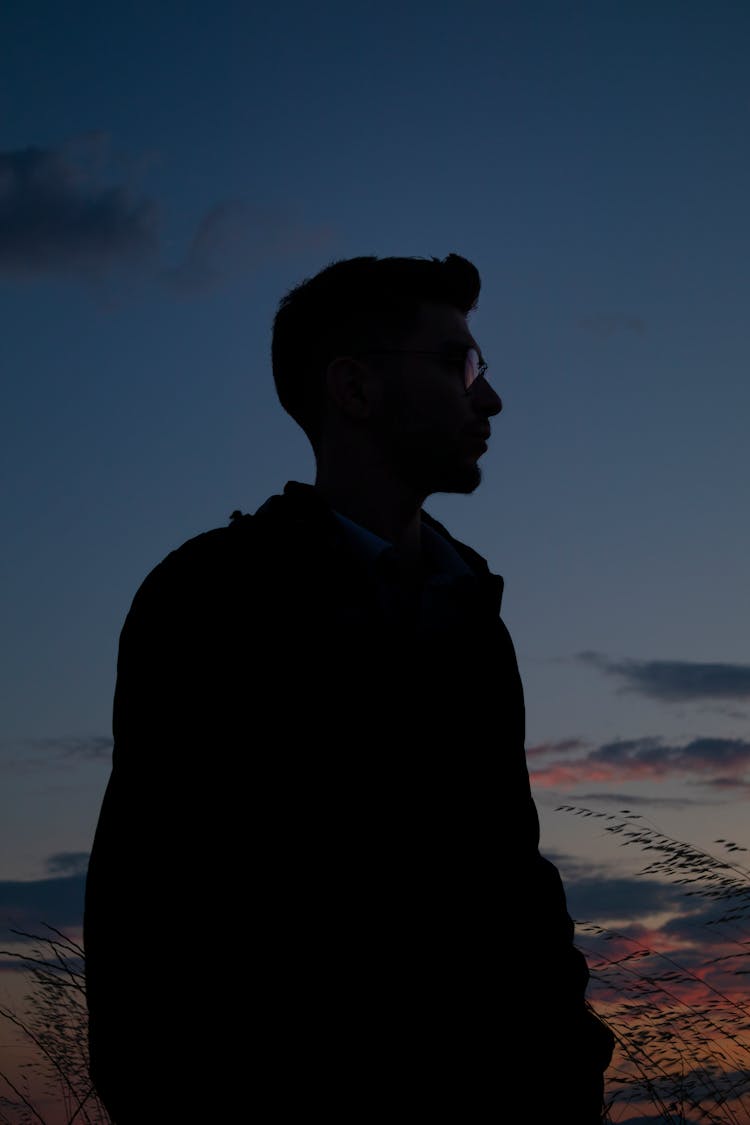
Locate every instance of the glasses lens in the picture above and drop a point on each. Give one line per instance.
(471, 370)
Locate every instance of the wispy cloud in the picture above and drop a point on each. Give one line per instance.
(91, 746)
(40, 755)
(561, 747)
(63, 213)
(30, 905)
(720, 763)
(621, 900)
(675, 680)
(56, 217)
(233, 238)
(68, 863)
(57, 901)
(596, 893)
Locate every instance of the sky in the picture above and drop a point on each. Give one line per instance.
(169, 171)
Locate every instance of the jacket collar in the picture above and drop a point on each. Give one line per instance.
(304, 506)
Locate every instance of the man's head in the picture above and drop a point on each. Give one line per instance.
(378, 349)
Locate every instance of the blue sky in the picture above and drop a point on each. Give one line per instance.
(168, 171)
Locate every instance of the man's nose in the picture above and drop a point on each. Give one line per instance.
(488, 400)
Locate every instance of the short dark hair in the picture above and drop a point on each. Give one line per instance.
(350, 306)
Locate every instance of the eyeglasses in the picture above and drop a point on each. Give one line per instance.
(472, 366)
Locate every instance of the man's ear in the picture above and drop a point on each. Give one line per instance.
(350, 386)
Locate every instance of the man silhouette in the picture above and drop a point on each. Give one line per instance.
(315, 885)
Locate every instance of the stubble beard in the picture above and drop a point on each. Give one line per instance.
(423, 459)
(427, 470)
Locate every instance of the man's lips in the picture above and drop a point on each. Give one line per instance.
(477, 442)
(479, 438)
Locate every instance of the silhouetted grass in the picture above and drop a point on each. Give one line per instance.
(680, 1018)
(55, 1024)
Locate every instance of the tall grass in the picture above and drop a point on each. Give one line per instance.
(55, 1025)
(677, 1003)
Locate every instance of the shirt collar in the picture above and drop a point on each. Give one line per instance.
(444, 562)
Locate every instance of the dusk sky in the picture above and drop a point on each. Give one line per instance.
(169, 170)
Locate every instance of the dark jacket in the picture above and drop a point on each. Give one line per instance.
(315, 877)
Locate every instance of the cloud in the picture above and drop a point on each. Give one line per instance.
(36, 755)
(89, 747)
(620, 900)
(68, 863)
(687, 890)
(563, 746)
(61, 214)
(721, 763)
(234, 238)
(30, 905)
(56, 217)
(675, 680)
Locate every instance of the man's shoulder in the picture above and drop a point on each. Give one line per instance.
(204, 551)
(249, 541)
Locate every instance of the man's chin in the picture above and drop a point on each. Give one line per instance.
(461, 481)
(427, 473)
